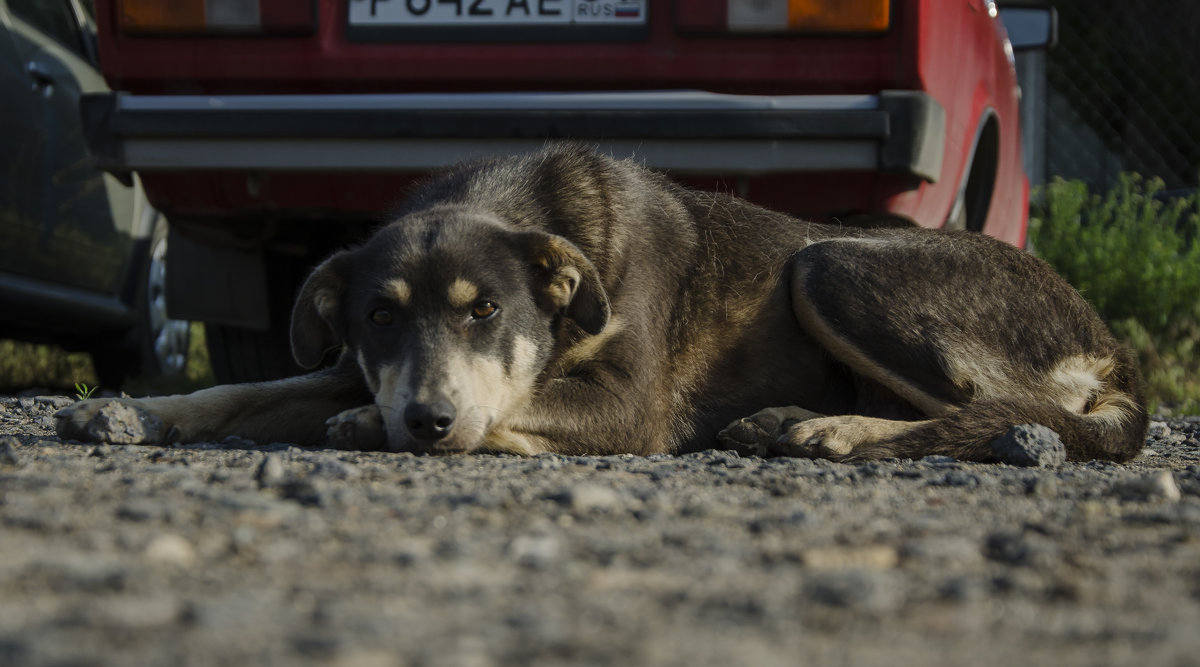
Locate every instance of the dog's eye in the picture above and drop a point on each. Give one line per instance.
(381, 317)
(484, 309)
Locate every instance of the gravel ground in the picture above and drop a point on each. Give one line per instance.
(236, 553)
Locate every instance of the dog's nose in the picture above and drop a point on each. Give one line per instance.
(429, 421)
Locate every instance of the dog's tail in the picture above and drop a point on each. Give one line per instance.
(1112, 425)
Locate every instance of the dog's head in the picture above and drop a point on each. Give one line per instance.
(451, 316)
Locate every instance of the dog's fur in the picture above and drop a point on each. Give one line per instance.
(567, 302)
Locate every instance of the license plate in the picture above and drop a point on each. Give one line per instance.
(496, 13)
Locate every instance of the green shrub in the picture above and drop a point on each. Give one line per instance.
(26, 365)
(1135, 258)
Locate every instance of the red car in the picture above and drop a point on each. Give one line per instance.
(269, 132)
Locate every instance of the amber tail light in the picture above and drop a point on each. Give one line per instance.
(803, 16)
(254, 17)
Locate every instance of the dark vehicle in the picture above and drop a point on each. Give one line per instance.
(81, 253)
(269, 132)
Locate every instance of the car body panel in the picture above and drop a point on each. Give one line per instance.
(71, 236)
(70, 224)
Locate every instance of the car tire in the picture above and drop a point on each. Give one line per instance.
(157, 347)
(166, 340)
(245, 355)
(242, 355)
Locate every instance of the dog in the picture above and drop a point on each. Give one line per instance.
(564, 301)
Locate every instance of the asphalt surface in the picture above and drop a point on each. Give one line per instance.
(242, 554)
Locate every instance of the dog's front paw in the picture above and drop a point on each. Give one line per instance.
(358, 429)
(757, 434)
(114, 420)
(818, 439)
(848, 437)
(841, 438)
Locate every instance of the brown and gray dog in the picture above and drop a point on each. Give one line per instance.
(567, 302)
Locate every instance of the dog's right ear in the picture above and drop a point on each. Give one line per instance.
(567, 282)
(317, 322)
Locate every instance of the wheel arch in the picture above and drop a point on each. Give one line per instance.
(977, 184)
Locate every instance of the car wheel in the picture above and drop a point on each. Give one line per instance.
(157, 348)
(166, 341)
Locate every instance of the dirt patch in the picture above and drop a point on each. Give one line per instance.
(235, 553)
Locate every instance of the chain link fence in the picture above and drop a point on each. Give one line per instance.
(1122, 93)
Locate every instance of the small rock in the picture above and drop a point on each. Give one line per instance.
(14, 650)
(242, 538)
(1016, 547)
(958, 478)
(237, 442)
(963, 589)
(54, 402)
(768, 524)
(1159, 484)
(124, 425)
(854, 589)
(305, 491)
(1158, 430)
(1042, 486)
(535, 551)
(336, 468)
(719, 457)
(171, 549)
(320, 647)
(845, 558)
(74, 571)
(589, 498)
(354, 657)
(1030, 445)
(943, 550)
(413, 551)
(270, 472)
(8, 451)
(1161, 433)
(143, 509)
(135, 613)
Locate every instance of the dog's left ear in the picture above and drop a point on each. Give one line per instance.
(566, 281)
(317, 322)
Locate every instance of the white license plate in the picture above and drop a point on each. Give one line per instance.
(497, 12)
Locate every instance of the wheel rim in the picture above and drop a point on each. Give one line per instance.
(170, 336)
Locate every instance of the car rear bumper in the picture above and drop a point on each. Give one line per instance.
(683, 131)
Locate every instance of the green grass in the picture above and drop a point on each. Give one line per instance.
(1135, 258)
(84, 392)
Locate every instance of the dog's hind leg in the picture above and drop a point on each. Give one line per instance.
(758, 434)
(292, 410)
(976, 336)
